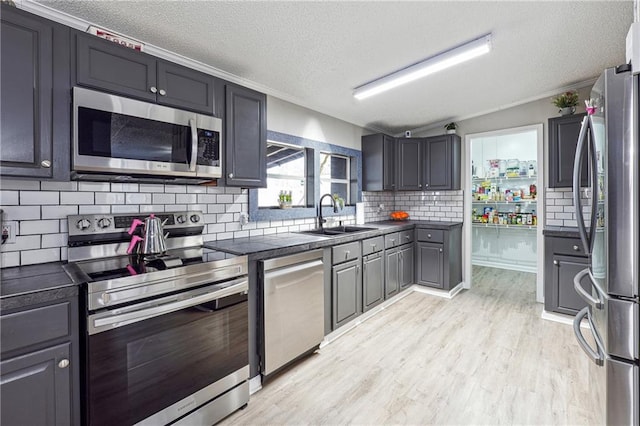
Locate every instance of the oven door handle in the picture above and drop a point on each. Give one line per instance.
(120, 317)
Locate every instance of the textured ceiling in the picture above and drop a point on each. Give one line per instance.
(315, 52)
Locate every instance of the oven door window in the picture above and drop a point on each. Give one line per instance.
(112, 135)
(139, 369)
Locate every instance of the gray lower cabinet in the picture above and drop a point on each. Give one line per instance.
(35, 390)
(373, 290)
(439, 257)
(563, 260)
(378, 162)
(105, 65)
(430, 264)
(40, 369)
(347, 292)
(35, 112)
(245, 137)
(406, 265)
(392, 274)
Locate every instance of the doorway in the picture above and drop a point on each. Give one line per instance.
(504, 202)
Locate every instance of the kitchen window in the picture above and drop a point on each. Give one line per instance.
(286, 171)
(335, 175)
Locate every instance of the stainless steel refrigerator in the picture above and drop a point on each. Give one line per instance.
(610, 136)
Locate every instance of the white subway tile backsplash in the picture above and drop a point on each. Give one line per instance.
(109, 198)
(19, 184)
(186, 198)
(58, 212)
(23, 242)
(129, 208)
(176, 189)
(196, 189)
(215, 190)
(8, 259)
(39, 198)
(94, 209)
(9, 198)
(151, 187)
(164, 198)
(152, 208)
(21, 212)
(54, 240)
(38, 227)
(125, 187)
(76, 198)
(175, 207)
(58, 186)
(138, 198)
(225, 198)
(31, 257)
(94, 186)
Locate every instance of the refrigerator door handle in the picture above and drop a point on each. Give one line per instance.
(594, 184)
(577, 166)
(596, 303)
(596, 356)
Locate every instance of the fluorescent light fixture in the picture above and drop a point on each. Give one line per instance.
(442, 61)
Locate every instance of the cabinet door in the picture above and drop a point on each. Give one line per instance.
(563, 138)
(437, 163)
(389, 163)
(183, 87)
(105, 65)
(430, 265)
(564, 298)
(372, 282)
(409, 164)
(392, 277)
(35, 389)
(346, 292)
(246, 138)
(406, 265)
(34, 100)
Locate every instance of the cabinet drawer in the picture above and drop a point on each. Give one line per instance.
(567, 246)
(392, 240)
(26, 328)
(372, 245)
(431, 235)
(406, 237)
(345, 252)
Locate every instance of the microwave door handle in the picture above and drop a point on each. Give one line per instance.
(194, 144)
(577, 165)
(594, 183)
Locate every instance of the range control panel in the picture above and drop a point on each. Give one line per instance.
(98, 224)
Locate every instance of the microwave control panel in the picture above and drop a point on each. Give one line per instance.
(208, 148)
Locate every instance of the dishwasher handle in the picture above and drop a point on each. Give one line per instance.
(290, 271)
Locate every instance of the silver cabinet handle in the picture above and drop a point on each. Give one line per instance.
(576, 248)
(45, 163)
(194, 144)
(407, 237)
(163, 92)
(153, 89)
(428, 235)
(393, 241)
(440, 250)
(426, 184)
(420, 186)
(555, 262)
(346, 254)
(596, 357)
(357, 269)
(64, 363)
(230, 175)
(596, 303)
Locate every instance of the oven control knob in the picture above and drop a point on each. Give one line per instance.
(105, 222)
(83, 224)
(195, 218)
(181, 218)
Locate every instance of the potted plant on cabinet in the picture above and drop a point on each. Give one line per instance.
(451, 128)
(567, 102)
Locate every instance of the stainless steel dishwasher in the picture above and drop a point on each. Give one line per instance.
(293, 306)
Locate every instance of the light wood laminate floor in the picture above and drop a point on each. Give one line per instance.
(484, 357)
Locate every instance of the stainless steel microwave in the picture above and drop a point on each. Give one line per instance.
(118, 137)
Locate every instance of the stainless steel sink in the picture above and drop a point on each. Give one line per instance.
(338, 230)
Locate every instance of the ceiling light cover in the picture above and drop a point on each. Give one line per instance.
(436, 63)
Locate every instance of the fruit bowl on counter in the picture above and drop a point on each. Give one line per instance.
(399, 215)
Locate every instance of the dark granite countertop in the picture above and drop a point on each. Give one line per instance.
(267, 246)
(561, 231)
(28, 285)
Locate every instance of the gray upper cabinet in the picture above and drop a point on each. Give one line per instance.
(426, 164)
(35, 97)
(442, 163)
(246, 137)
(104, 65)
(410, 175)
(563, 139)
(378, 163)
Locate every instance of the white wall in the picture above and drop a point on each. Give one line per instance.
(285, 117)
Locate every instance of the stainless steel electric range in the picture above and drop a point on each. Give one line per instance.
(166, 336)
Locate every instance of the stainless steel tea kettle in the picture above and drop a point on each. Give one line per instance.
(153, 241)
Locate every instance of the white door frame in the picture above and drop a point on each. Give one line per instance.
(466, 176)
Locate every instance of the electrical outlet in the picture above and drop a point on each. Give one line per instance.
(9, 229)
(244, 219)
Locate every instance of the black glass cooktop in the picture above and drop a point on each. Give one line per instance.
(132, 265)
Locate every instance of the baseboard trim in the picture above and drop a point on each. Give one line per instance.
(447, 294)
(562, 318)
(255, 384)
